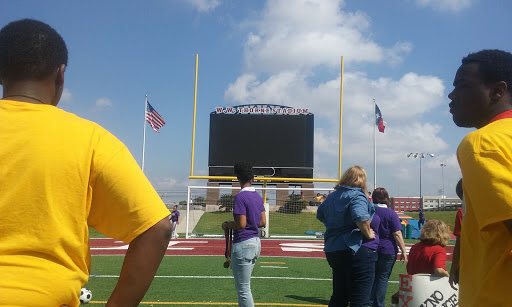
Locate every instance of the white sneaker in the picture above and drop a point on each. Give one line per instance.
(177, 236)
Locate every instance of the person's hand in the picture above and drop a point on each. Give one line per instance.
(454, 278)
(403, 257)
(371, 234)
(224, 225)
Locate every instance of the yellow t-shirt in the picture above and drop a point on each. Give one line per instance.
(485, 158)
(60, 173)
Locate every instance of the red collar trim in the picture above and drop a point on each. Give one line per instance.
(506, 114)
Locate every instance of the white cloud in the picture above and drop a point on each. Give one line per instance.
(399, 100)
(443, 5)
(303, 34)
(66, 96)
(166, 183)
(203, 6)
(174, 190)
(286, 55)
(103, 102)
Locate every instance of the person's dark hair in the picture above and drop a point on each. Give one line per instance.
(30, 50)
(243, 171)
(494, 65)
(458, 189)
(380, 196)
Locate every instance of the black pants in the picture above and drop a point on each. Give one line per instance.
(352, 276)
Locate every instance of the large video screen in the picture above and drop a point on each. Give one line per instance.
(282, 142)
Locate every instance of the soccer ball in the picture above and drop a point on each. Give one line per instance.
(85, 296)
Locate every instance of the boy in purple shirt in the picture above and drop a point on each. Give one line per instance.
(175, 220)
(249, 214)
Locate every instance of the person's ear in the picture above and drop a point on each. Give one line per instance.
(59, 84)
(59, 79)
(498, 90)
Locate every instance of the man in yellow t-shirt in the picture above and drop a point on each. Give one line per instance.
(59, 175)
(482, 98)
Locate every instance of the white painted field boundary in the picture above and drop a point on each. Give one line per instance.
(231, 277)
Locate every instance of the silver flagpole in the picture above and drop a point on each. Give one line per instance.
(144, 137)
(374, 146)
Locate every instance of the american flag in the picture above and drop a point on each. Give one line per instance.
(155, 120)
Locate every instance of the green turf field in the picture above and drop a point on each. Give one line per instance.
(280, 223)
(297, 224)
(210, 222)
(202, 281)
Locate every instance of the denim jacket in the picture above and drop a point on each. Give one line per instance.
(340, 212)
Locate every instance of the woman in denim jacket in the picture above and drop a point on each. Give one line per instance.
(350, 240)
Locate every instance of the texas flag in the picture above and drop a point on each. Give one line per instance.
(381, 124)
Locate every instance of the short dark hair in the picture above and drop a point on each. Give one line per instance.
(30, 50)
(458, 189)
(494, 65)
(243, 171)
(380, 196)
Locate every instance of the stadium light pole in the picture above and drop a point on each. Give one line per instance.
(443, 196)
(420, 155)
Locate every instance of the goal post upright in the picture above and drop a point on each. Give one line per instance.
(341, 118)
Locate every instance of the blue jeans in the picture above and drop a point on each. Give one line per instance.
(383, 269)
(243, 257)
(352, 276)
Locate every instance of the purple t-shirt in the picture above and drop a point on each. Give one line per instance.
(249, 203)
(389, 223)
(174, 216)
(374, 224)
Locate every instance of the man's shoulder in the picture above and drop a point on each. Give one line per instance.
(492, 137)
(490, 131)
(69, 120)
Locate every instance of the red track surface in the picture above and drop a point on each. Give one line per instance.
(216, 247)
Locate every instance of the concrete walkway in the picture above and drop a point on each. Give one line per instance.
(195, 216)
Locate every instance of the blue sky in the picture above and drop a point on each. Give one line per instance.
(403, 53)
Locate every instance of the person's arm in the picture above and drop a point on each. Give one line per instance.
(400, 241)
(263, 220)
(239, 223)
(439, 262)
(178, 221)
(140, 264)
(359, 212)
(454, 270)
(366, 229)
